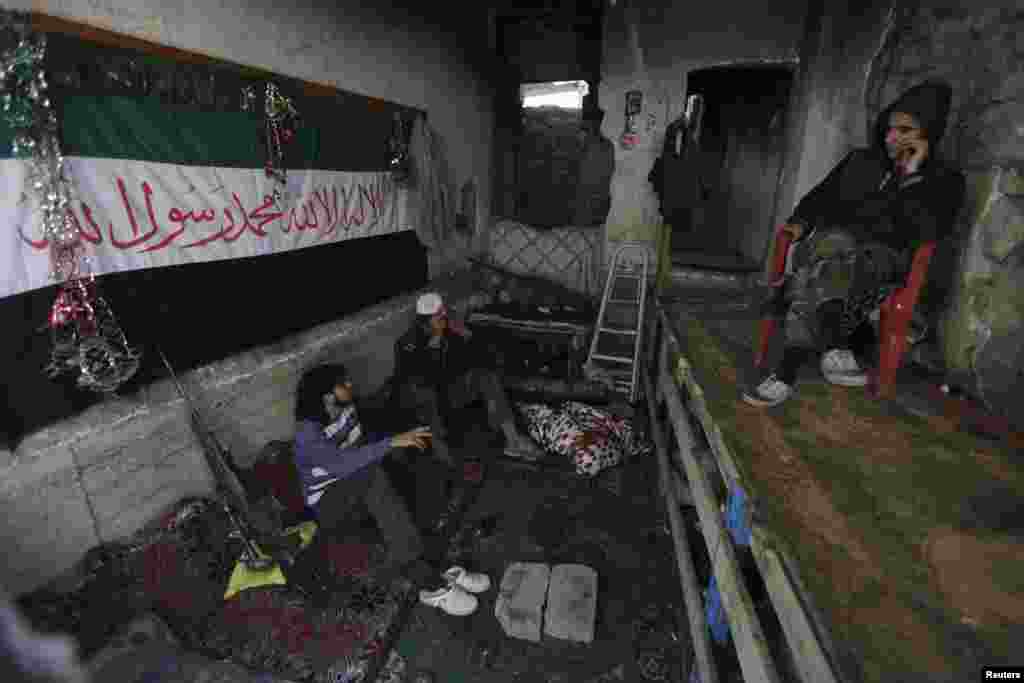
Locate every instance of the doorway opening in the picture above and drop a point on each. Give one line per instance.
(739, 161)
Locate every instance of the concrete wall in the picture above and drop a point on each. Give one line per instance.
(650, 45)
(375, 49)
(975, 288)
(828, 115)
(103, 474)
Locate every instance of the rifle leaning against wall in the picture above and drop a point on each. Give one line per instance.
(229, 490)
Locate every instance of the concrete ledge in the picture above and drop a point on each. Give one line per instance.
(101, 475)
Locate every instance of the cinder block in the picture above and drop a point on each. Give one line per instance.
(520, 602)
(572, 603)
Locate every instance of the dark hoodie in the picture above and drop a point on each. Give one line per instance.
(863, 196)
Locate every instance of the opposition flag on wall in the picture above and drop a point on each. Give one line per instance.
(158, 187)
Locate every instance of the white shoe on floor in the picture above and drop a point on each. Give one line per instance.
(474, 582)
(451, 600)
(840, 367)
(770, 392)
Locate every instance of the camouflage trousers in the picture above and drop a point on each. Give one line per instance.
(832, 266)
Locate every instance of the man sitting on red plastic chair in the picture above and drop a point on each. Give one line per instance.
(857, 231)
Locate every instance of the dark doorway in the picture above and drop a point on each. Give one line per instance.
(741, 150)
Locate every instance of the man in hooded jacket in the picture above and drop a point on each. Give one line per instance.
(857, 231)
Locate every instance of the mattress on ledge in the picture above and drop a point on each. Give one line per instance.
(537, 319)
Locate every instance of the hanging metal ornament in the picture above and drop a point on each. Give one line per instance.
(398, 147)
(249, 98)
(85, 333)
(279, 129)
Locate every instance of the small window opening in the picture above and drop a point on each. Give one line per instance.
(560, 94)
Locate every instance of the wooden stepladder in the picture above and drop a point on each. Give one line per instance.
(615, 347)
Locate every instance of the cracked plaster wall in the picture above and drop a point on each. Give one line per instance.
(650, 46)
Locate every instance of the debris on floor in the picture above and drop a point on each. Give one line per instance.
(160, 595)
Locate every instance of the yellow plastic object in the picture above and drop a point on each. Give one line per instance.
(243, 578)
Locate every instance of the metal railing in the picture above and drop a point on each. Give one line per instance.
(669, 383)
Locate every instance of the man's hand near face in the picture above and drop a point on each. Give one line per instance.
(911, 156)
(794, 230)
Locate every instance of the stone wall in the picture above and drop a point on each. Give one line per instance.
(976, 279)
(101, 475)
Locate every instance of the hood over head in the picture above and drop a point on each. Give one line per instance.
(928, 102)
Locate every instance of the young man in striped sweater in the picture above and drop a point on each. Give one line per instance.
(339, 464)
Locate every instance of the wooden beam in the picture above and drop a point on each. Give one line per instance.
(684, 558)
(812, 661)
(752, 647)
(806, 634)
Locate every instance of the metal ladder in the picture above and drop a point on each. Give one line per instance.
(615, 347)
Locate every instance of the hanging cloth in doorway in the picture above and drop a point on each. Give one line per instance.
(434, 189)
(675, 175)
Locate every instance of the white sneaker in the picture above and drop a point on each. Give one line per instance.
(473, 582)
(840, 367)
(770, 392)
(451, 600)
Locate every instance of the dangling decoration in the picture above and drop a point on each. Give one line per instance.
(281, 122)
(398, 146)
(631, 133)
(248, 98)
(85, 333)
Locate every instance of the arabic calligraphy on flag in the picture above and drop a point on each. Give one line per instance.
(140, 214)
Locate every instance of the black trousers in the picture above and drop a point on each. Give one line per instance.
(374, 488)
(433, 406)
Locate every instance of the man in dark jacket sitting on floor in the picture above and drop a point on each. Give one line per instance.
(438, 370)
(857, 232)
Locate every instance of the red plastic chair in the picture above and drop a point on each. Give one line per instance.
(895, 314)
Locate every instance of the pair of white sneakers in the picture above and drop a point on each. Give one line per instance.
(457, 597)
(839, 366)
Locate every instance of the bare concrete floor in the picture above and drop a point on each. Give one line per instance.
(613, 524)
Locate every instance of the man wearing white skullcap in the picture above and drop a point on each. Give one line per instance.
(438, 370)
(429, 304)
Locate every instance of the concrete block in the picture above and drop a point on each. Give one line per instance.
(572, 603)
(520, 604)
(46, 527)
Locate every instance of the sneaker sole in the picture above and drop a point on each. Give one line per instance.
(847, 380)
(762, 403)
(446, 610)
(450, 612)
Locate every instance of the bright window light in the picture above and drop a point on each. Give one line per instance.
(563, 94)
